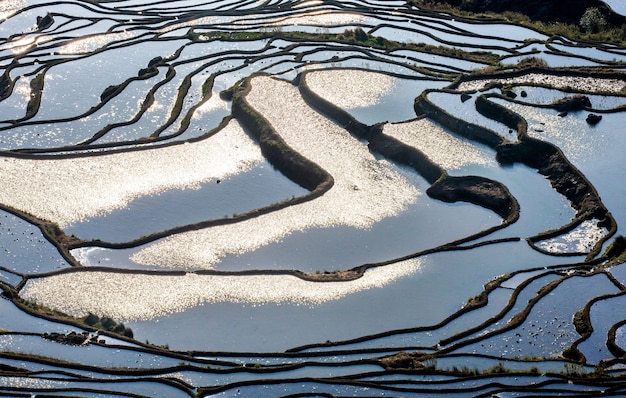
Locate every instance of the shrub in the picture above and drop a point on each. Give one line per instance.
(91, 319)
(468, 5)
(599, 372)
(498, 369)
(360, 34)
(430, 362)
(593, 21)
(574, 370)
(535, 62)
(107, 323)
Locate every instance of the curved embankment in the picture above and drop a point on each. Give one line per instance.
(584, 327)
(377, 141)
(51, 231)
(548, 159)
(37, 88)
(6, 85)
(305, 173)
(108, 94)
(480, 191)
(295, 166)
(576, 81)
(424, 107)
(284, 157)
(291, 163)
(104, 325)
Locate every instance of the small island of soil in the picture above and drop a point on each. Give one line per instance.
(335, 276)
(480, 191)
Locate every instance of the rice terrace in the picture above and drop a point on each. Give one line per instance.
(312, 198)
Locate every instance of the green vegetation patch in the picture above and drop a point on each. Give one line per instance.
(355, 36)
(593, 24)
(90, 321)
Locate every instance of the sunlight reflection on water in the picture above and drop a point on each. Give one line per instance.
(90, 44)
(139, 296)
(580, 240)
(441, 147)
(587, 84)
(68, 190)
(348, 88)
(366, 190)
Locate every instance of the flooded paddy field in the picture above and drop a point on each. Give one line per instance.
(307, 198)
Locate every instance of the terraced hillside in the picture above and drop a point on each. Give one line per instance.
(307, 198)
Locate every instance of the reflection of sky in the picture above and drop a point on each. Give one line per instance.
(13, 318)
(545, 96)
(370, 97)
(14, 107)
(7, 7)
(580, 240)
(594, 150)
(579, 141)
(438, 59)
(319, 19)
(449, 277)
(618, 6)
(94, 356)
(466, 111)
(89, 44)
(425, 34)
(548, 329)
(66, 96)
(619, 272)
(24, 249)
(512, 32)
(603, 314)
(554, 60)
(552, 211)
(590, 52)
(258, 187)
(425, 224)
(367, 311)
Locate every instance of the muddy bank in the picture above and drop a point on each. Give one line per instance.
(543, 156)
(335, 113)
(480, 191)
(423, 106)
(548, 159)
(399, 152)
(377, 141)
(293, 165)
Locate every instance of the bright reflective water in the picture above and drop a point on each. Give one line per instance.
(91, 46)
(617, 6)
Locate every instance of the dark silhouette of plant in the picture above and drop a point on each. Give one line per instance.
(593, 21)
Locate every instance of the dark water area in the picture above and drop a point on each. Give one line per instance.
(259, 187)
